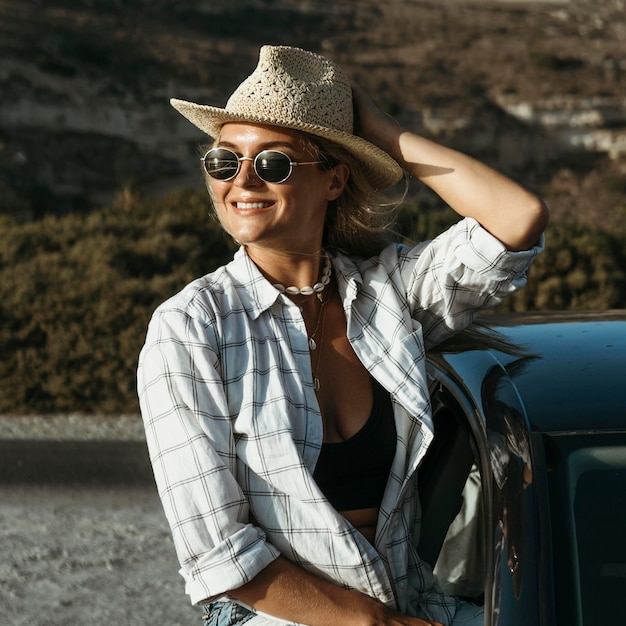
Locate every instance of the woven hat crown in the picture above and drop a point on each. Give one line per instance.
(296, 88)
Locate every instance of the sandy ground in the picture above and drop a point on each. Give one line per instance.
(83, 537)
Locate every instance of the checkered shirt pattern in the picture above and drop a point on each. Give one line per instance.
(234, 428)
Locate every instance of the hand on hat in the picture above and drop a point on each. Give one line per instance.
(374, 125)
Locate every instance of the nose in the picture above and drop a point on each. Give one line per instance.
(246, 176)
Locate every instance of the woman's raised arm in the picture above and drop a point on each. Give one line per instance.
(511, 213)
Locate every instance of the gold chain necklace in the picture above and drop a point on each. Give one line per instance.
(316, 346)
(318, 349)
(312, 343)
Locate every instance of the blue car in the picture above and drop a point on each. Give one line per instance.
(524, 488)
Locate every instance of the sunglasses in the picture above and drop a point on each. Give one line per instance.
(271, 166)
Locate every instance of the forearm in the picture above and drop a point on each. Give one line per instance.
(288, 592)
(284, 590)
(509, 212)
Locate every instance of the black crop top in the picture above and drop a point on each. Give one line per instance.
(353, 474)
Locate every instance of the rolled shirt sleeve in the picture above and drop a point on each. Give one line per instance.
(450, 279)
(191, 446)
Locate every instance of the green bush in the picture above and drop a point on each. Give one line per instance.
(76, 293)
(580, 269)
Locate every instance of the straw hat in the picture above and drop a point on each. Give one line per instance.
(297, 89)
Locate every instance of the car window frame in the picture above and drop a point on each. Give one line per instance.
(465, 397)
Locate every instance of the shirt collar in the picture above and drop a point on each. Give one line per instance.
(348, 276)
(257, 294)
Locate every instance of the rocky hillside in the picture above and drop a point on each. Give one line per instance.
(536, 88)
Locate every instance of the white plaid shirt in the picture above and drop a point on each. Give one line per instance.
(234, 428)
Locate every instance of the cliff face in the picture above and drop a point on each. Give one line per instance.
(536, 88)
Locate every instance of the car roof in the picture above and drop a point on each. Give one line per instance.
(570, 373)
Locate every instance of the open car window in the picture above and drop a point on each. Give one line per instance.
(453, 530)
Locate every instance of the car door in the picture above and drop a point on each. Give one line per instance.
(480, 523)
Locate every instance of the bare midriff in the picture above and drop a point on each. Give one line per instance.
(364, 520)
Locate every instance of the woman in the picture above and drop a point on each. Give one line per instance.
(284, 395)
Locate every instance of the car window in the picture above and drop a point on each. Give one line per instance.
(588, 504)
(452, 531)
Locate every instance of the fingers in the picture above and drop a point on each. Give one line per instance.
(371, 123)
(359, 104)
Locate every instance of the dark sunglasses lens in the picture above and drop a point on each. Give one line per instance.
(272, 166)
(221, 164)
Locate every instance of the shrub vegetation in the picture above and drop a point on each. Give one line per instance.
(76, 292)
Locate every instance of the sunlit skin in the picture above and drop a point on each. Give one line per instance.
(283, 231)
(508, 211)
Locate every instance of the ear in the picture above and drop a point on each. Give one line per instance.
(340, 175)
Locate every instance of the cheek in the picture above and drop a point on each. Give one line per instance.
(222, 218)
(217, 202)
(221, 213)
(209, 183)
(216, 195)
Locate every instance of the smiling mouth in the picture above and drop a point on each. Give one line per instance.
(252, 205)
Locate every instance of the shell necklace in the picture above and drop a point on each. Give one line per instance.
(308, 291)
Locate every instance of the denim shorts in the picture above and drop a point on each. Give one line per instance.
(225, 614)
(232, 614)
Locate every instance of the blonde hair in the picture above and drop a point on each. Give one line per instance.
(359, 222)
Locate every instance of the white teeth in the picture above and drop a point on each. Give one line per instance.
(252, 205)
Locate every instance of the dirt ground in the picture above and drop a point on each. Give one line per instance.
(79, 555)
(83, 536)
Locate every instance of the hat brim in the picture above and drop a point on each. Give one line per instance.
(382, 170)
